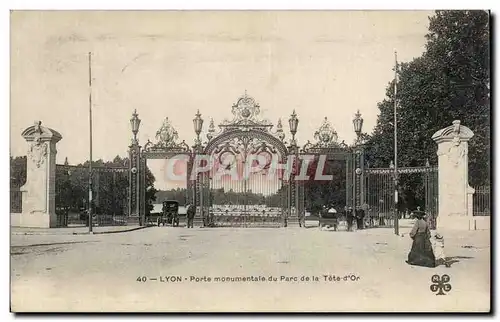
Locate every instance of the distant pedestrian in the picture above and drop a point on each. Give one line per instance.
(369, 218)
(190, 212)
(349, 218)
(360, 217)
(302, 220)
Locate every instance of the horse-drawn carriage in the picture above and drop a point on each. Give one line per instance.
(329, 217)
(169, 214)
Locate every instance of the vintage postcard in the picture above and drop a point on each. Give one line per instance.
(250, 161)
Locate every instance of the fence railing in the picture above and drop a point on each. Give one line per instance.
(16, 201)
(98, 220)
(481, 199)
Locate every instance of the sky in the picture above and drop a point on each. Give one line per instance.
(173, 63)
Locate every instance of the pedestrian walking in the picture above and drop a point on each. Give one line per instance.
(438, 249)
(349, 218)
(360, 217)
(190, 212)
(421, 253)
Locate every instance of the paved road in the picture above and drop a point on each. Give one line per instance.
(100, 272)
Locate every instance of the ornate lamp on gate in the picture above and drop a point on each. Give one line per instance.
(198, 125)
(359, 180)
(358, 125)
(135, 122)
(293, 122)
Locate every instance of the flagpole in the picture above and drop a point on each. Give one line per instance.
(396, 215)
(90, 152)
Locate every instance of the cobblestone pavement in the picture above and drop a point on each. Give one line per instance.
(365, 270)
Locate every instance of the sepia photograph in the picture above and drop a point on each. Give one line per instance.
(204, 161)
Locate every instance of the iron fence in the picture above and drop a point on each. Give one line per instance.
(16, 201)
(379, 198)
(81, 220)
(481, 205)
(420, 187)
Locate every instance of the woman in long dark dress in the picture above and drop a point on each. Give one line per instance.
(421, 253)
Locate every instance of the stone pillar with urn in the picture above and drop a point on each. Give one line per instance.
(38, 193)
(455, 194)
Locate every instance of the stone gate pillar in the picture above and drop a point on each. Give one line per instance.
(38, 193)
(455, 194)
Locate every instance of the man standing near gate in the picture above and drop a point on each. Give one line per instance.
(349, 218)
(360, 217)
(190, 212)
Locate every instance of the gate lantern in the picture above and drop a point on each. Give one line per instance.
(358, 123)
(135, 121)
(198, 124)
(293, 122)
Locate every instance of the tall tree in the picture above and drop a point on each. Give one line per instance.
(150, 191)
(17, 172)
(72, 186)
(449, 81)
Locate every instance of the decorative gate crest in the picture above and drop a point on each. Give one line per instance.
(167, 140)
(326, 138)
(246, 116)
(246, 131)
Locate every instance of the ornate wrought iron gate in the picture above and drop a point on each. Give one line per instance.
(344, 166)
(231, 193)
(166, 147)
(379, 192)
(241, 189)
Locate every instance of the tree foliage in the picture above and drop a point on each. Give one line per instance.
(330, 192)
(221, 196)
(110, 189)
(450, 81)
(17, 172)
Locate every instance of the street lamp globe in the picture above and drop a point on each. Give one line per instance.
(198, 123)
(358, 123)
(135, 121)
(293, 122)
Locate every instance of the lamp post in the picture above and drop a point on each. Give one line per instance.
(198, 125)
(396, 215)
(135, 122)
(293, 122)
(357, 122)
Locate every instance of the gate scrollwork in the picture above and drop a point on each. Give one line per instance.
(326, 141)
(166, 141)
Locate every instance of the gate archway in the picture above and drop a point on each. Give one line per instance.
(241, 188)
(166, 146)
(252, 175)
(341, 168)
